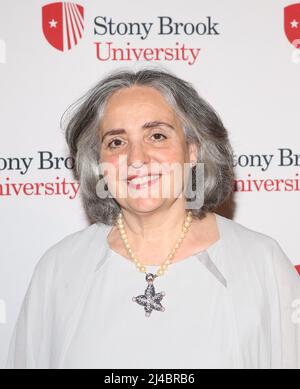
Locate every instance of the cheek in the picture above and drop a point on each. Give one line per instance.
(106, 157)
(172, 154)
(109, 166)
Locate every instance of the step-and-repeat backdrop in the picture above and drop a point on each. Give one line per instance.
(242, 56)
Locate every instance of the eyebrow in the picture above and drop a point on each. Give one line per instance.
(117, 131)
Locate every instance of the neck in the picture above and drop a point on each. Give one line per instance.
(156, 232)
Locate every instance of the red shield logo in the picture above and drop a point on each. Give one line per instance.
(63, 24)
(292, 23)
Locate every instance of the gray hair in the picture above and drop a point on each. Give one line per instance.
(201, 124)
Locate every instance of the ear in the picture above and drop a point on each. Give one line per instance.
(193, 152)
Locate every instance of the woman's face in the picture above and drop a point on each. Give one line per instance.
(143, 150)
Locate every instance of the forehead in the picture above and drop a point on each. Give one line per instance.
(136, 102)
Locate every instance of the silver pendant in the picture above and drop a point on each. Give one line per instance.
(150, 300)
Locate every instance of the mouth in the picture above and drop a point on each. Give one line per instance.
(139, 182)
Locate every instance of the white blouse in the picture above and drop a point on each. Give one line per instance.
(233, 305)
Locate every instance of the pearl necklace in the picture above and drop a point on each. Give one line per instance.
(151, 300)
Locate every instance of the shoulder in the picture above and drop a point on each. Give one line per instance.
(66, 268)
(73, 251)
(75, 239)
(243, 236)
(250, 250)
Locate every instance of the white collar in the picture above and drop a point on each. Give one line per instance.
(205, 256)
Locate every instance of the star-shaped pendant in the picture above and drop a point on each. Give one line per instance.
(150, 300)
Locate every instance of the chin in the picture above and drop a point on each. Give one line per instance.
(144, 205)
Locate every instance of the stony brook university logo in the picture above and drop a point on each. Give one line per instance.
(63, 24)
(292, 24)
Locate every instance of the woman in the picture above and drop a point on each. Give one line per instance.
(158, 280)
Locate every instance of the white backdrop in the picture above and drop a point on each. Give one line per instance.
(246, 68)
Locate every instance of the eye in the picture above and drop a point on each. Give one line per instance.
(158, 136)
(115, 143)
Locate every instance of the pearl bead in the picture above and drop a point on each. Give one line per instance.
(163, 267)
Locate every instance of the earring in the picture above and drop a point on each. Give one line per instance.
(101, 177)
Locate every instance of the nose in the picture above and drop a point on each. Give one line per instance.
(137, 155)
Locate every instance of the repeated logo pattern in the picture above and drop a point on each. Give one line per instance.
(63, 24)
(292, 24)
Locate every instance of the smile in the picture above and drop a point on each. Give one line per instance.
(144, 181)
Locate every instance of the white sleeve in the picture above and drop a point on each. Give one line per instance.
(30, 342)
(288, 284)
